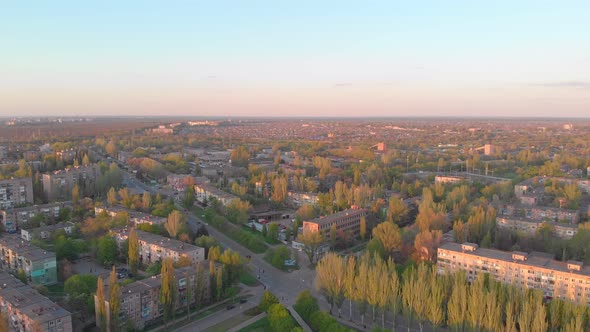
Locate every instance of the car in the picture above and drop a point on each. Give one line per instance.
(230, 307)
(243, 300)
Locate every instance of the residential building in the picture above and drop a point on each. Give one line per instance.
(162, 130)
(180, 181)
(564, 280)
(16, 218)
(45, 232)
(58, 185)
(539, 213)
(135, 217)
(444, 179)
(40, 266)
(302, 198)
(15, 192)
(346, 221)
(205, 192)
(154, 248)
(140, 300)
(531, 226)
(30, 311)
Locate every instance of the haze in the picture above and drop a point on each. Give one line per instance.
(301, 58)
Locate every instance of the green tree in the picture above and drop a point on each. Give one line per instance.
(397, 210)
(168, 289)
(330, 279)
(107, 250)
(273, 231)
(133, 252)
(189, 197)
(363, 227)
(389, 236)
(279, 318)
(146, 201)
(267, 300)
(206, 242)
(311, 242)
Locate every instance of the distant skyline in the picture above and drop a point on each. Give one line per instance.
(295, 58)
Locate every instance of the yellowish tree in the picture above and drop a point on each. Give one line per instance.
(174, 223)
(330, 279)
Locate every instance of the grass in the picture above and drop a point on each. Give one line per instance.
(56, 288)
(228, 323)
(248, 279)
(261, 325)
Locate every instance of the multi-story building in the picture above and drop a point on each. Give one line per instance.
(205, 192)
(45, 232)
(30, 311)
(39, 265)
(154, 248)
(180, 181)
(345, 221)
(59, 184)
(565, 280)
(16, 218)
(135, 217)
(140, 300)
(15, 192)
(531, 226)
(301, 198)
(540, 213)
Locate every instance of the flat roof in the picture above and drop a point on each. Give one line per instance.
(24, 248)
(335, 216)
(164, 242)
(534, 259)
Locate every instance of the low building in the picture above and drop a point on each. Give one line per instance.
(563, 280)
(15, 192)
(530, 226)
(302, 198)
(180, 181)
(45, 232)
(18, 218)
(153, 248)
(204, 193)
(40, 266)
(135, 217)
(140, 300)
(30, 311)
(345, 221)
(539, 213)
(444, 179)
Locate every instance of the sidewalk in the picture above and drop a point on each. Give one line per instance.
(299, 320)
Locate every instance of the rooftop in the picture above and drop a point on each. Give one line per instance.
(335, 216)
(24, 248)
(164, 242)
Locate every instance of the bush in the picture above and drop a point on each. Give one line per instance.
(306, 305)
(279, 318)
(267, 300)
(276, 257)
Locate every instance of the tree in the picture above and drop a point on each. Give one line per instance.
(218, 284)
(4, 326)
(189, 197)
(114, 299)
(189, 294)
(101, 309)
(76, 194)
(306, 305)
(459, 231)
(174, 223)
(107, 250)
(239, 156)
(435, 311)
(427, 243)
(126, 197)
(273, 231)
(112, 197)
(199, 284)
(206, 242)
(397, 210)
(80, 289)
(361, 287)
(146, 201)
(133, 252)
(311, 242)
(168, 289)
(349, 282)
(363, 227)
(394, 300)
(389, 236)
(279, 318)
(267, 300)
(333, 236)
(330, 279)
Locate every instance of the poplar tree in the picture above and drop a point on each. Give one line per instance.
(101, 309)
(475, 305)
(408, 295)
(349, 279)
(199, 284)
(114, 300)
(393, 282)
(218, 283)
(435, 302)
(363, 227)
(189, 294)
(133, 252)
(457, 305)
(146, 201)
(330, 279)
(112, 196)
(168, 289)
(361, 287)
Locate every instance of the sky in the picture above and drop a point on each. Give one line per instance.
(295, 58)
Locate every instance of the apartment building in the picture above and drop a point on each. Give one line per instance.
(346, 221)
(205, 192)
(140, 300)
(29, 311)
(301, 198)
(15, 192)
(540, 213)
(14, 219)
(40, 266)
(531, 226)
(135, 217)
(180, 181)
(58, 185)
(154, 248)
(45, 232)
(564, 280)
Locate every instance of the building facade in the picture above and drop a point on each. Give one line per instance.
(346, 221)
(29, 311)
(154, 248)
(204, 193)
(17, 218)
(135, 217)
(58, 185)
(45, 232)
(40, 266)
(564, 280)
(15, 192)
(530, 227)
(140, 300)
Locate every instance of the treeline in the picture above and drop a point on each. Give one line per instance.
(424, 296)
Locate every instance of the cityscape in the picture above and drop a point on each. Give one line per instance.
(285, 167)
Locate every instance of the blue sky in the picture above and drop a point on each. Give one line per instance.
(325, 58)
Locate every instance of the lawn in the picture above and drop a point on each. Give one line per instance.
(248, 279)
(228, 323)
(261, 325)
